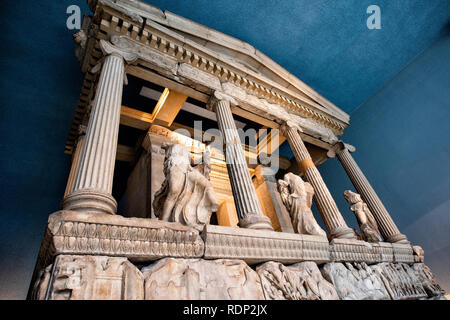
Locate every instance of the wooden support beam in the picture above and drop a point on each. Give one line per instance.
(135, 118)
(170, 106)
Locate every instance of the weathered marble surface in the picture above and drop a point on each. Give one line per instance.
(72, 232)
(400, 280)
(355, 281)
(302, 281)
(198, 279)
(297, 196)
(428, 280)
(89, 278)
(254, 246)
(418, 254)
(366, 221)
(186, 195)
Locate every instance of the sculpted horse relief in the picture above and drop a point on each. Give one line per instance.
(186, 195)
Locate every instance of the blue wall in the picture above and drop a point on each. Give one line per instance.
(402, 140)
(40, 84)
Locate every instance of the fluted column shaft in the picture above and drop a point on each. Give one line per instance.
(92, 186)
(75, 161)
(248, 208)
(334, 222)
(387, 226)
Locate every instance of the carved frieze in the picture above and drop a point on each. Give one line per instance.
(400, 280)
(428, 280)
(198, 279)
(138, 239)
(89, 278)
(355, 250)
(302, 281)
(255, 246)
(355, 281)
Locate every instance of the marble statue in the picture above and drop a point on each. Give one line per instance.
(366, 221)
(297, 197)
(186, 195)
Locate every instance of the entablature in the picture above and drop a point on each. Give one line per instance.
(168, 50)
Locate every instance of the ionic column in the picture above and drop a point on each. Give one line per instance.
(248, 208)
(92, 186)
(387, 226)
(334, 222)
(75, 160)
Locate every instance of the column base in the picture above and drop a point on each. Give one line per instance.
(397, 238)
(256, 222)
(89, 200)
(342, 233)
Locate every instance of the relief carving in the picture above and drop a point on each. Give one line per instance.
(297, 197)
(366, 221)
(198, 279)
(89, 278)
(302, 281)
(355, 281)
(428, 280)
(186, 195)
(400, 280)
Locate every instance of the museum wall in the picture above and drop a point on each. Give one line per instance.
(40, 84)
(402, 145)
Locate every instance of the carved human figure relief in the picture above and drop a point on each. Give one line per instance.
(186, 195)
(199, 279)
(301, 281)
(366, 221)
(297, 197)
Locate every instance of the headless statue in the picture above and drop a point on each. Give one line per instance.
(186, 195)
(297, 197)
(366, 221)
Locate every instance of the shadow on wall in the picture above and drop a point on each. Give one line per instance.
(402, 145)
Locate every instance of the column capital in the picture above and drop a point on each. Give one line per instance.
(338, 147)
(289, 124)
(219, 96)
(120, 50)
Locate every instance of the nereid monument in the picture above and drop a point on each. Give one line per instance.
(170, 201)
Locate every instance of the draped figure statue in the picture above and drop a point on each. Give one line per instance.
(366, 221)
(297, 197)
(186, 195)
